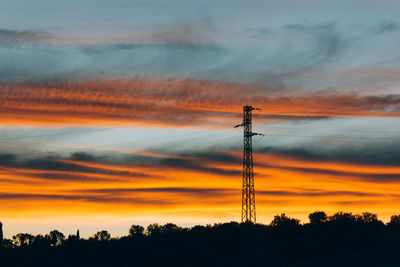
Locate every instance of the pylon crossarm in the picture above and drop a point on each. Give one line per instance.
(239, 125)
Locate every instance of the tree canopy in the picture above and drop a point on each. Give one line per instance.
(345, 238)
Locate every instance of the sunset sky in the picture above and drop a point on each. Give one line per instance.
(117, 112)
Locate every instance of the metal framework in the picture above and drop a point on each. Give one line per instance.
(248, 194)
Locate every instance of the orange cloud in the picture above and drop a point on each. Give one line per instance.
(171, 102)
(283, 184)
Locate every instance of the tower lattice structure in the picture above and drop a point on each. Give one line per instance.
(248, 193)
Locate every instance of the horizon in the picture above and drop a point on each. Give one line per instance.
(115, 113)
(84, 231)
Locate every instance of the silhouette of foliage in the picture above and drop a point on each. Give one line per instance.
(367, 217)
(343, 218)
(318, 217)
(101, 236)
(73, 238)
(55, 237)
(394, 221)
(41, 241)
(170, 228)
(283, 221)
(1, 235)
(153, 229)
(136, 231)
(23, 239)
(7, 243)
(342, 239)
(394, 227)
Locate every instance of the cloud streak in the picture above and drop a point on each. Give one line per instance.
(174, 102)
(15, 38)
(283, 56)
(206, 181)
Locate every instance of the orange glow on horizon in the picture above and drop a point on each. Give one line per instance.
(282, 185)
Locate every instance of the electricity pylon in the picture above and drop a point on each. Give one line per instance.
(248, 195)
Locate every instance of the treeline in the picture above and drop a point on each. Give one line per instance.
(343, 239)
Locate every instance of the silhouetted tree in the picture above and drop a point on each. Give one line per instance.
(393, 228)
(394, 221)
(344, 239)
(1, 235)
(55, 237)
(170, 228)
(153, 229)
(283, 221)
(73, 238)
(41, 241)
(7, 243)
(136, 231)
(23, 239)
(200, 228)
(368, 218)
(318, 217)
(343, 218)
(102, 236)
(348, 231)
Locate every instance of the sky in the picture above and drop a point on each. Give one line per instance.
(115, 113)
